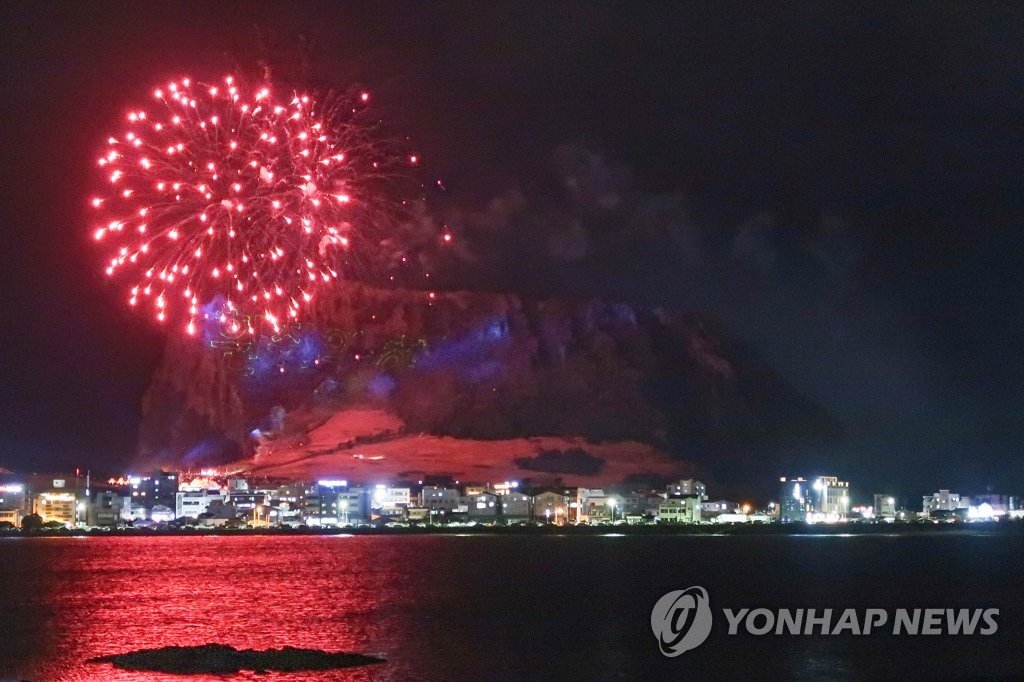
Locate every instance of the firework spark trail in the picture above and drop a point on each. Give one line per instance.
(227, 206)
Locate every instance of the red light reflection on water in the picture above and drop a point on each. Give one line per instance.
(86, 597)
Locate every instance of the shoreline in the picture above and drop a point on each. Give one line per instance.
(710, 530)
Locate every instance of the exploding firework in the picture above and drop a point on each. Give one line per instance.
(230, 207)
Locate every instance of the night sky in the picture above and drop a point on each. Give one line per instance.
(841, 186)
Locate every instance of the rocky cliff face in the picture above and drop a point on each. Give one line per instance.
(478, 366)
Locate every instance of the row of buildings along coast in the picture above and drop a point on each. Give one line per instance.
(210, 498)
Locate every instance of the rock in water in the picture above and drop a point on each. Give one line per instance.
(220, 659)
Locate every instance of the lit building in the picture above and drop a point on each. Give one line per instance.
(515, 506)
(161, 514)
(387, 498)
(686, 488)
(159, 487)
(59, 507)
(831, 498)
(238, 484)
(594, 505)
(634, 505)
(482, 506)
(245, 499)
(437, 498)
(943, 501)
(421, 514)
(192, 503)
(552, 506)
(710, 510)
(793, 500)
(354, 505)
(506, 487)
(11, 516)
(331, 502)
(106, 508)
(884, 506)
(13, 496)
(998, 505)
(135, 511)
(680, 510)
(287, 502)
(220, 514)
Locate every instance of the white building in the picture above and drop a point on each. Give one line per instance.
(192, 503)
(679, 510)
(388, 498)
(944, 501)
(710, 509)
(594, 505)
(830, 498)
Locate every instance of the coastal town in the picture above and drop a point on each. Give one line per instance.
(211, 498)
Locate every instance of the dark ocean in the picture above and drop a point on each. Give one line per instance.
(504, 607)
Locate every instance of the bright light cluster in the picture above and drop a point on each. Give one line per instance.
(228, 206)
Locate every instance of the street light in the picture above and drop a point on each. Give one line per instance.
(612, 503)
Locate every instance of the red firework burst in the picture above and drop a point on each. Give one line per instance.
(229, 206)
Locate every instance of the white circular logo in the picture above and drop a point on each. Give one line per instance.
(681, 620)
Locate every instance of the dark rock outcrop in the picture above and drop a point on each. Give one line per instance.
(486, 366)
(219, 659)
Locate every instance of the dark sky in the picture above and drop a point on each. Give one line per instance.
(839, 184)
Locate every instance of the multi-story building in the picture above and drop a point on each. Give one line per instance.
(106, 508)
(594, 505)
(687, 487)
(990, 505)
(635, 505)
(221, 514)
(286, 500)
(56, 506)
(943, 501)
(330, 502)
(680, 510)
(437, 498)
(13, 496)
(794, 500)
(159, 487)
(192, 503)
(388, 499)
(482, 506)
(552, 506)
(354, 505)
(11, 516)
(515, 506)
(884, 506)
(710, 510)
(831, 497)
(161, 514)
